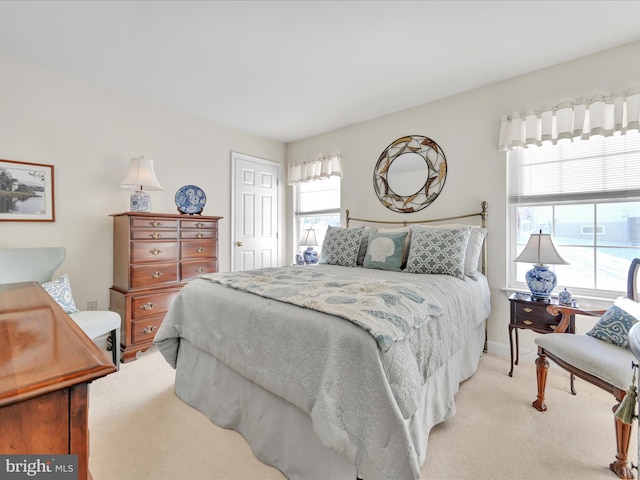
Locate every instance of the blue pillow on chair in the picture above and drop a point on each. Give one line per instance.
(615, 323)
(60, 291)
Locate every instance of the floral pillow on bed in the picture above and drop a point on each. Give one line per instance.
(438, 250)
(341, 246)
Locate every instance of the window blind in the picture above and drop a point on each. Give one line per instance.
(598, 168)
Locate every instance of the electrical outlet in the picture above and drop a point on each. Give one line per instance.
(92, 305)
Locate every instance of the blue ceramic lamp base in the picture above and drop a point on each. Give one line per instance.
(310, 256)
(541, 282)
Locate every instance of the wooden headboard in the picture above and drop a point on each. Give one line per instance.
(482, 214)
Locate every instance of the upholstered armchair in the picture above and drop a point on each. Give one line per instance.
(39, 264)
(601, 357)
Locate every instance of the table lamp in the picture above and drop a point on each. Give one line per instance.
(140, 177)
(309, 240)
(541, 251)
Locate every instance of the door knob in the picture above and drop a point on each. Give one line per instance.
(239, 243)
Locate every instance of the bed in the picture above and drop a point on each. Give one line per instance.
(341, 369)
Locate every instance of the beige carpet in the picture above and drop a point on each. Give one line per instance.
(140, 430)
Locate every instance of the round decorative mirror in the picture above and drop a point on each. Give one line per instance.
(410, 174)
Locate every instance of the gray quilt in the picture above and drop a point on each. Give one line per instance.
(388, 310)
(357, 395)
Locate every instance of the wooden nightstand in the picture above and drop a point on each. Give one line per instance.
(533, 315)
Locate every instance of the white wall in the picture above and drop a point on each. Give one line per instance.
(466, 126)
(89, 134)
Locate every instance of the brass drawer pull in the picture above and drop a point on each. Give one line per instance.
(156, 274)
(199, 269)
(528, 310)
(199, 235)
(200, 225)
(155, 251)
(148, 329)
(155, 223)
(527, 322)
(553, 327)
(199, 249)
(148, 306)
(155, 235)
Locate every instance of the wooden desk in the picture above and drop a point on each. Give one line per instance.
(46, 364)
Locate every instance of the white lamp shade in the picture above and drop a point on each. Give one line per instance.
(541, 250)
(141, 175)
(308, 238)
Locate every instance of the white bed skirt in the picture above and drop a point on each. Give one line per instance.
(282, 435)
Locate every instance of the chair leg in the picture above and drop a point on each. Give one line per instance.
(623, 436)
(542, 367)
(115, 349)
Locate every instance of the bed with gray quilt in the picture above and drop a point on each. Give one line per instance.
(334, 370)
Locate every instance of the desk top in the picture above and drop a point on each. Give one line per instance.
(41, 348)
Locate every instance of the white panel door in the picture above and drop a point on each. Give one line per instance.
(255, 213)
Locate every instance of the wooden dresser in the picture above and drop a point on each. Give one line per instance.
(46, 364)
(155, 254)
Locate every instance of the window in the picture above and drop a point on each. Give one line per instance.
(586, 193)
(317, 206)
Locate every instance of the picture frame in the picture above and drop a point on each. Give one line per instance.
(26, 192)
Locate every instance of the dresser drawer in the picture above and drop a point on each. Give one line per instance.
(143, 330)
(199, 224)
(143, 252)
(190, 269)
(150, 234)
(198, 234)
(154, 223)
(149, 305)
(190, 249)
(151, 275)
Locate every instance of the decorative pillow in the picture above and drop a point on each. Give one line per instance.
(365, 243)
(615, 323)
(385, 251)
(341, 246)
(407, 240)
(438, 250)
(474, 249)
(60, 291)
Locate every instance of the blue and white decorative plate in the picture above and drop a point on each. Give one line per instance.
(190, 199)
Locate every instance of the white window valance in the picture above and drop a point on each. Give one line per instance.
(599, 115)
(309, 170)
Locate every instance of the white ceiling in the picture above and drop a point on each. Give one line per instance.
(288, 70)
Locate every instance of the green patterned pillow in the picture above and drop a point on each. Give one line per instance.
(438, 250)
(341, 246)
(385, 251)
(60, 291)
(615, 323)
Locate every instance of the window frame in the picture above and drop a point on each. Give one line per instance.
(595, 199)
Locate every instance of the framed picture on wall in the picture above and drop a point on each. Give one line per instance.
(26, 192)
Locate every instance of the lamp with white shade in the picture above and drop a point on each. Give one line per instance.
(541, 251)
(140, 177)
(309, 240)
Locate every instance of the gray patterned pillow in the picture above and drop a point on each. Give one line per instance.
(341, 246)
(438, 250)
